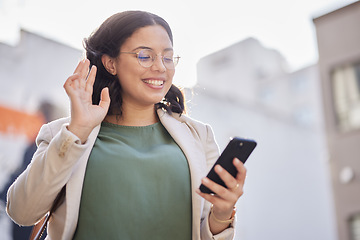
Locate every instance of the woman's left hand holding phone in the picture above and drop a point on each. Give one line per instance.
(224, 199)
(84, 115)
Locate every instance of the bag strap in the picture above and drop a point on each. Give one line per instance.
(39, 228)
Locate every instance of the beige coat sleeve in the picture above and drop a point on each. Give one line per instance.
(30, 197)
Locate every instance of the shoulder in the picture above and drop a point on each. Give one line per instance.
(202, 130)
(200, 126)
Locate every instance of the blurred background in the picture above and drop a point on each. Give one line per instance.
(284, 73)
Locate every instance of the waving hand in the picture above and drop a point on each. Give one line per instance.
(84, 115)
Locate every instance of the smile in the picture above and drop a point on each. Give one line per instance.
(154, 82)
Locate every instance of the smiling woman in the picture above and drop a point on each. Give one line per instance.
(139, 83)
(129, 158)
(103, 50)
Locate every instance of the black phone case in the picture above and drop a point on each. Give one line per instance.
(238, 147)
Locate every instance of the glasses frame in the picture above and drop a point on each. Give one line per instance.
(175, 59)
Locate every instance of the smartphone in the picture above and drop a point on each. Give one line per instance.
(240, 148)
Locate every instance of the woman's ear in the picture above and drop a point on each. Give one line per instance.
(109, 64)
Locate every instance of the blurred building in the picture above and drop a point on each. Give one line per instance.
(35, 70)
(246, 90)
(338, 35)
(32, 74)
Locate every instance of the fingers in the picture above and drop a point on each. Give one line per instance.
(228, 179)
(90, 80)
(81, 76)
(234, 184)
(79, 66)
(105, 98)
(223, 199)
(220, 191)
(71, 85)
(231, 182)
(83, 73)
(82, 68)
(214, 199)
(241, 175)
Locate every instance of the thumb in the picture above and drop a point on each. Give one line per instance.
(105, 99)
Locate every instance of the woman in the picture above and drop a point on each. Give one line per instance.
(131, 161)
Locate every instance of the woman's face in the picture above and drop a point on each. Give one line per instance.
(143, 86)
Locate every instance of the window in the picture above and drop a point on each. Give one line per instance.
(346, 90)
(355, 227)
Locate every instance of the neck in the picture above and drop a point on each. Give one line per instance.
(132, 116)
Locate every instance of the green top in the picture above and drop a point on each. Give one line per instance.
(136, 186)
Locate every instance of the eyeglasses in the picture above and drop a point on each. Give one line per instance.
(147, 57)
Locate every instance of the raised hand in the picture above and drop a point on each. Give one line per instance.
(84, 115)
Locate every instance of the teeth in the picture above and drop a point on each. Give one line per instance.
(155, 82)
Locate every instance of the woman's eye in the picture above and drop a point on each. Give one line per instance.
(144, 57)
(168, 59)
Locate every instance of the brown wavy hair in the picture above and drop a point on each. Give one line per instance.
(108, 39)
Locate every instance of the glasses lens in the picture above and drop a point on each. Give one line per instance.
(176, 60)
(146, 58)
(170, 61)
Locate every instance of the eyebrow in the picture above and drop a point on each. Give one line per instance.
(148, 48)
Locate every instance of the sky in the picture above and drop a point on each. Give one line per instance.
(200, 27)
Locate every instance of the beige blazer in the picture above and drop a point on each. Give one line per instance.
(61, 159)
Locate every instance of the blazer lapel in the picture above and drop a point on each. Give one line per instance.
(74, 187)
(193, 150)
